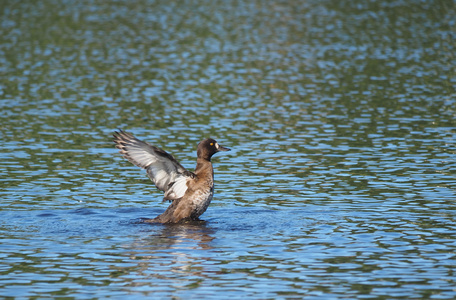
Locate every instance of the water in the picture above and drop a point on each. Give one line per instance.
(341, 117)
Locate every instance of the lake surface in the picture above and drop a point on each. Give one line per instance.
(341, 116)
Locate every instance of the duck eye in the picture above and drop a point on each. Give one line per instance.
(212, 144)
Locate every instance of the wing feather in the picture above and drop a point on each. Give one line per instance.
(163, 169)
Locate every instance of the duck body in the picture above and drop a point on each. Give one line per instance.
(190, 192)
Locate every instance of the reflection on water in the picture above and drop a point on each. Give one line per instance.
(165, 252)
(341, 117)
(168, 236)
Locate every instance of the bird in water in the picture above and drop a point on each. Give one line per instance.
(190, 192)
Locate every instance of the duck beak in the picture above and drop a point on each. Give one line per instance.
(221, 148)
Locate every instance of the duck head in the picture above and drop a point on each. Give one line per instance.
(208, 147)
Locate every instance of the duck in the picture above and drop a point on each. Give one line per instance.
(190, 193)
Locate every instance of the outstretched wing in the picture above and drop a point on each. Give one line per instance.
(163, 169)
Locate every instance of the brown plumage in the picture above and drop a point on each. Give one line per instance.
(190, 192)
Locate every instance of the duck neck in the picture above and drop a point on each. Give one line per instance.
(203, 164)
